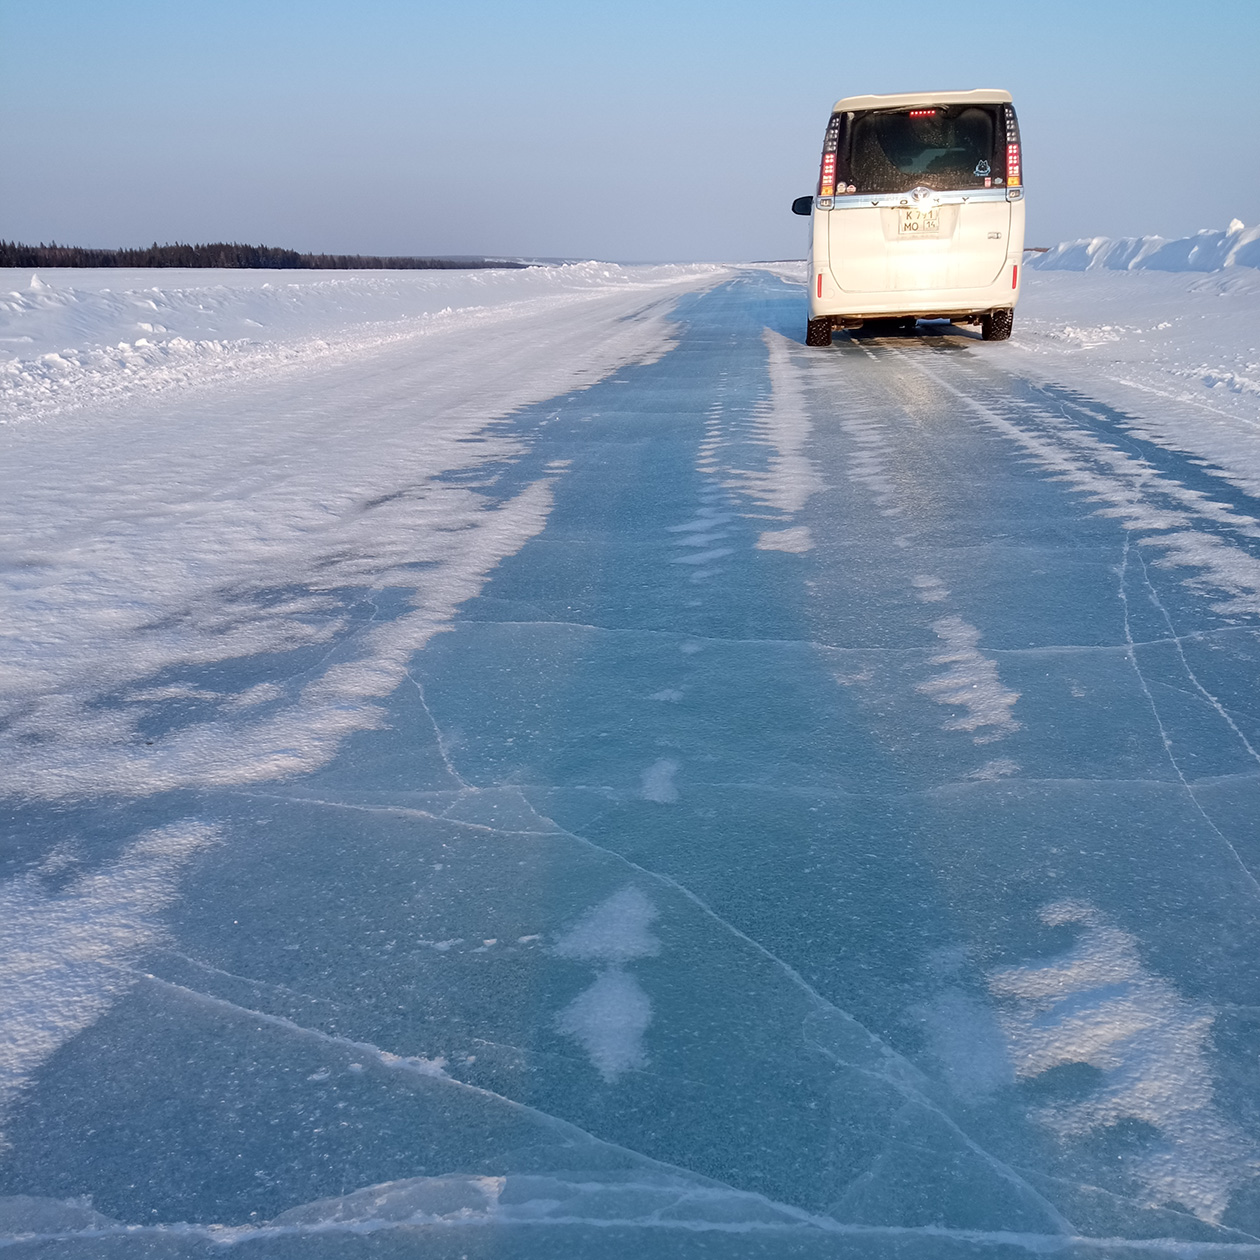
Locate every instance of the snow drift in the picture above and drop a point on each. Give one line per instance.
(1207, 250)
(75, 338)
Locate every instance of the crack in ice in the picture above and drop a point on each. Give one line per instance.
(1163, 731)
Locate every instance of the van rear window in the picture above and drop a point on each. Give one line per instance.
(948, 147)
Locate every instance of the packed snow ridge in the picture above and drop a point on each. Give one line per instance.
(75, 338)
(1207, 250)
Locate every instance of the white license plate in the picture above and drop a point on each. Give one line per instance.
(919, 223)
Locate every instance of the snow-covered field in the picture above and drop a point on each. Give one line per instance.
(1166, 330)
(539, 763)
(76, 338)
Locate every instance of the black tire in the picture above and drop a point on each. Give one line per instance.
(996, 325)
(818, 332)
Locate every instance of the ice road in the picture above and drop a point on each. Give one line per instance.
(578, 774)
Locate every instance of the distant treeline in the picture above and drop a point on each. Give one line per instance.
(261, 256)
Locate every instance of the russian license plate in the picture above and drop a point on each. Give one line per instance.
(919, 223)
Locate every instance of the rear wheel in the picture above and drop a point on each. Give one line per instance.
(818, 332)
(996, 325)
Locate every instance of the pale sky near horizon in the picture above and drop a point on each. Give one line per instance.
(643, 130)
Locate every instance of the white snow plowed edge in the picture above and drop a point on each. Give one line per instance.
(221, 525)
(1206, 250)
(1179, 353)
(1163, 329)
(85, 338)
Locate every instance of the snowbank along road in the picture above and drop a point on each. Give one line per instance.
(544, 764)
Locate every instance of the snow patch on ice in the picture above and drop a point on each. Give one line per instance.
(782, 422)
(658, 782)
(617, 930)
(65, 955)
(62, 743)
(971, 682)
(1098, 1005)
(671, 695)
(868, 466)
(1222, 567)
(706, 522)
(610, 1018)
(929, 590)
(608, 1021)
(261, 693)
(796, 540)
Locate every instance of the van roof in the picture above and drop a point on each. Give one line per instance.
(977, 96)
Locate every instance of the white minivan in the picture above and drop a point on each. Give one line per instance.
(919, 213)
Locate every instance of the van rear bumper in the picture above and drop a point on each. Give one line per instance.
(923, 304)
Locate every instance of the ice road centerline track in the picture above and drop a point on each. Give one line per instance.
(759, 802)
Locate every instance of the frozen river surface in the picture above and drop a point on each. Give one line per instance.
(761, 803)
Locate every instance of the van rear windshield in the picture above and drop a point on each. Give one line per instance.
(948, 147)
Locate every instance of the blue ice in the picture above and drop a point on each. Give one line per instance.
(833, 832)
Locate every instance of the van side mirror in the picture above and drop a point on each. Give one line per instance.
(803, 205)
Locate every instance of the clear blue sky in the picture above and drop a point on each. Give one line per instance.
(648, 129)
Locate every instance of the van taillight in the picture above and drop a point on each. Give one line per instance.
(1014, 171)
(831, 143)
(827, 180)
